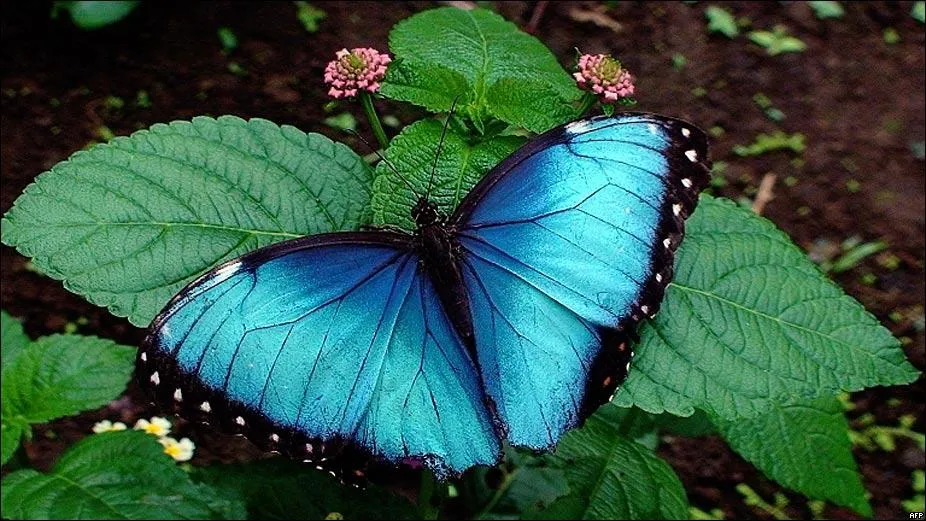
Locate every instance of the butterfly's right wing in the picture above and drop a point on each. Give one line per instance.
(321, 346)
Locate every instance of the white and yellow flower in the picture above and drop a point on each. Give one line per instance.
(108, 426)
(157, 426)
(179, 450)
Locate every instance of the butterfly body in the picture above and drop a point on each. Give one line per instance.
(510, 319)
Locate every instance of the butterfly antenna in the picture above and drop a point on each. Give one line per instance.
(385, 161)
(440, 145)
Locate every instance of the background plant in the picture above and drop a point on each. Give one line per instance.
(776, 393)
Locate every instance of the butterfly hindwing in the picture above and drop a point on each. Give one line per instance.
(569, 243)
(320, 346)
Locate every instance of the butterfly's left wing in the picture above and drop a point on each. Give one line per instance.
(329, 348)
(568, 245)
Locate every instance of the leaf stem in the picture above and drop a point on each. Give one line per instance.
(587, 101)
(367, 101)
(499, 493)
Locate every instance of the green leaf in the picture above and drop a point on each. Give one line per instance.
(61, 375)
(95, 14)
(13, 342)
(613, 477)
(749, 322)
(128, 223)
(805, 447)
(115, 475)
(521, 103)
(13, 339)
(777, 42)
(527, 484)
(918, 12)
(719, 20)
(827, 9)
(282, 489)
(460, 165)
(440, 47)
(10, 434)
(698, 424)
(433, 87)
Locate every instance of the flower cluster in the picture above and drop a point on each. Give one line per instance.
(359, 69)
(181, 450)
(604, 76)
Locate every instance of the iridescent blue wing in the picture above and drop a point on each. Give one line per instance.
(568, 245)
(328, 345)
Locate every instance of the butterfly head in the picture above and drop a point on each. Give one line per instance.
(425, 213)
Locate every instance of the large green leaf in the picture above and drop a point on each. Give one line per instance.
(128, 223)
(282, 489)
(460, 165)
(749, 322)
(438, 48)
(62, 375)
(803, 446)
(13, 341)
(115, 475)
(611, 476)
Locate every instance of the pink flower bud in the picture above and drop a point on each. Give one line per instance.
(359, 69)
(604, 76)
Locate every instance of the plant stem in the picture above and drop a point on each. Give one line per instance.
(497, 496)
(429, 486)
(587, 103)
(367, 101)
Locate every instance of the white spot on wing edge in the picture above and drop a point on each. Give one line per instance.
(578, 127)
(178, 395)
(275, 437)
(667, 242)
(227, 271)
(692, 155)
(686, 132)
(144, 356)
(205, 407)
(658, 277)
(686, 182)
(155, 378)
(240, 421)
(645, 309)
(677, 209)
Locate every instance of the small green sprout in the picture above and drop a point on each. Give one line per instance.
(309, 16)
(918, 502)
(765, 103)
(753, 499)
(873, 437)
(228, 39)
(777, 140)
(823, 9)
(891, 36)
(142, 99)
(777, 41)
(719, 20)
(919, 11)
(343, 121)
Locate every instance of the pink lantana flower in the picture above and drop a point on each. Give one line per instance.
(356, 70)
(604, 76)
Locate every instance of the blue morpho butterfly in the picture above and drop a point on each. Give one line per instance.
(508, 320)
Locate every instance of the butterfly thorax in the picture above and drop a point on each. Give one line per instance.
(441, 259)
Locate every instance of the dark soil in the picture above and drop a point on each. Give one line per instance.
(858, 100)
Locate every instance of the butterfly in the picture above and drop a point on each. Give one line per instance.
(510, 320)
